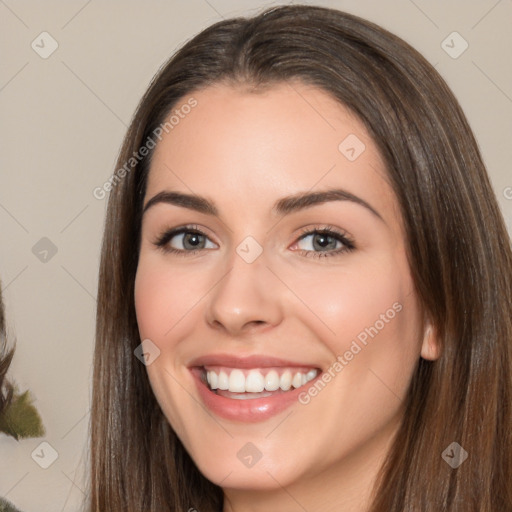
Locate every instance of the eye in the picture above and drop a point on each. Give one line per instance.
(184, 241)
(317, 242)
(323, 241)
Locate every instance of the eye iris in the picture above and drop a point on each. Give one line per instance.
(323, 242)
(194, 238)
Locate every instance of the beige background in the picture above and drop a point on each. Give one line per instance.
(62, 122)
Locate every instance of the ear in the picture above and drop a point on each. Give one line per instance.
(430, 347)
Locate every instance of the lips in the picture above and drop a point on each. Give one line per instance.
(250, 388)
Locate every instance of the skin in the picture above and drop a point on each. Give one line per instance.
(244, 151)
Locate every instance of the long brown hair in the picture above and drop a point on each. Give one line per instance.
(458, 249)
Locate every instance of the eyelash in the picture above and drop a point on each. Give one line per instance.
(348, 243)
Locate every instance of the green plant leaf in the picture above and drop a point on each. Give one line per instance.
(21, 419)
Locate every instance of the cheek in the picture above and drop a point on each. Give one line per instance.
(153, 292)
(378, 333)
(349, 303)
(370, 318)
(164, 301)
(162, 298)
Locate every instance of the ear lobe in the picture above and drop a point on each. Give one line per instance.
(430, 349)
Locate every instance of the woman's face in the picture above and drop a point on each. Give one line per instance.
(299, 302)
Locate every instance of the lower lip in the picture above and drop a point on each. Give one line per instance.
(249, 410)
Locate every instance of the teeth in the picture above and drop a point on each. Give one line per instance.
(285, 383)
(223, 382)
(255, 382)
(297, 381)
(236, 381)
(311, 375)
(272, 381)
(213, 379)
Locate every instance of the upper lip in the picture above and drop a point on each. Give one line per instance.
(252, 361)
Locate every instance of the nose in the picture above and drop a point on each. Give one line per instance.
(245, 300)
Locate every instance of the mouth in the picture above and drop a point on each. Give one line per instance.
(252, 388)
(250, 384)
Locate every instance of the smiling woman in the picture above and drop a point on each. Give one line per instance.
(305, 295)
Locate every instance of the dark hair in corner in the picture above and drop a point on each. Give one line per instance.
(6, 389)
(458, 249)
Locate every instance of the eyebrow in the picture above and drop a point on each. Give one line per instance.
(283, 206)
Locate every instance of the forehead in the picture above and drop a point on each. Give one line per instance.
(259, 146)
